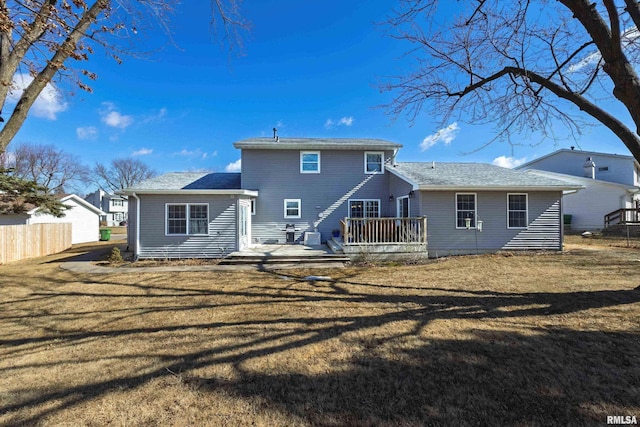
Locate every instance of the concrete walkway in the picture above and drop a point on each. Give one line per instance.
(86, 264)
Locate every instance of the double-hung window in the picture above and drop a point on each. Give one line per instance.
(517, 211)
(364, 208)
(466, 209)
(309, 162)
(373, 162)
(187, 219)
(292, 208)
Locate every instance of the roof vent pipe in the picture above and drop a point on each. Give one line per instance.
(589, 168)
(433, 164)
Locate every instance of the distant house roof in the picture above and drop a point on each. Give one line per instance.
(191, 183)
(473, 176)
(584, 154)
(317, 143)
(578, 180)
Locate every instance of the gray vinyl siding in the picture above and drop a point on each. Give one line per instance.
(276, 175)
(221, 240)
(399, 188)
(132, 224)
(544, 230)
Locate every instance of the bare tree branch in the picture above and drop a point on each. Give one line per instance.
(521, 67)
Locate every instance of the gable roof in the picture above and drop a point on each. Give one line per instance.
(473, 176)
(79, 200)
(191, 183)
(317, 143)
(581, 153)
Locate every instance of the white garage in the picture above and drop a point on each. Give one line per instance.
(83, 216)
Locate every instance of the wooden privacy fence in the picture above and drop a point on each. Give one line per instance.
(28, 241)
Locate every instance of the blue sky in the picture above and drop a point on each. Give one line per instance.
(308, 68)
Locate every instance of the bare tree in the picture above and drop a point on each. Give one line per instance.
(38, 38)
(524, 65)
(53, 169)
(121, 173)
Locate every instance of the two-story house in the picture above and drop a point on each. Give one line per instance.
(115, 207)
(308, 189)
(611, 185)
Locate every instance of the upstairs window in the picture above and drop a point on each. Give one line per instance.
(117, 202)
(517, 212)
(373, 162)
(309, 162)
(465, 209)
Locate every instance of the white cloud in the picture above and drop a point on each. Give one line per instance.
(88, 132)
(344, 121)
(233, 167)
(142, 152)
(112, 117)
(48, 103)
(628, 37)
(195, 153)
(347, 121)
(117, 120)
(446, 135)
(155, 117)
(508, 162)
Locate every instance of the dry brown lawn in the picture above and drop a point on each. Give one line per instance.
(539, 339)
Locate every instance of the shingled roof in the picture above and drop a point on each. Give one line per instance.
(190, 182)
(317, 144)
(470, 176)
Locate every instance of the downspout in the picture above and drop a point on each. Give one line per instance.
(137, 250)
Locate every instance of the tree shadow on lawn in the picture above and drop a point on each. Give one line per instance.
(544, 376)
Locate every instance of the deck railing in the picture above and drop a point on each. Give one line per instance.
(376, 231)
(622, 216)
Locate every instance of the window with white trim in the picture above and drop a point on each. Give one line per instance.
(403, 207)
(517, 211)
(117, 202)
(253, 206)
(373, 162)
(187, 219)
(466, 208)
(366, 208)
(292, 208)
(309, 162)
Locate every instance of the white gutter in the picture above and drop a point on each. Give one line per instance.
(250, 193)
(135, 196)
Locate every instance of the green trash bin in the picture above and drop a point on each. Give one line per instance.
(105, 234)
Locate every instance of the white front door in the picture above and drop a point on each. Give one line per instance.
(244, 223)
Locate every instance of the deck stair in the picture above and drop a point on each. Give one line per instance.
(285, 254)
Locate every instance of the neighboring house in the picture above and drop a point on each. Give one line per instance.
(623, 169)
(610, 181)
(84, 219)
(116, 207)
(303, 189)
(589, 206)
